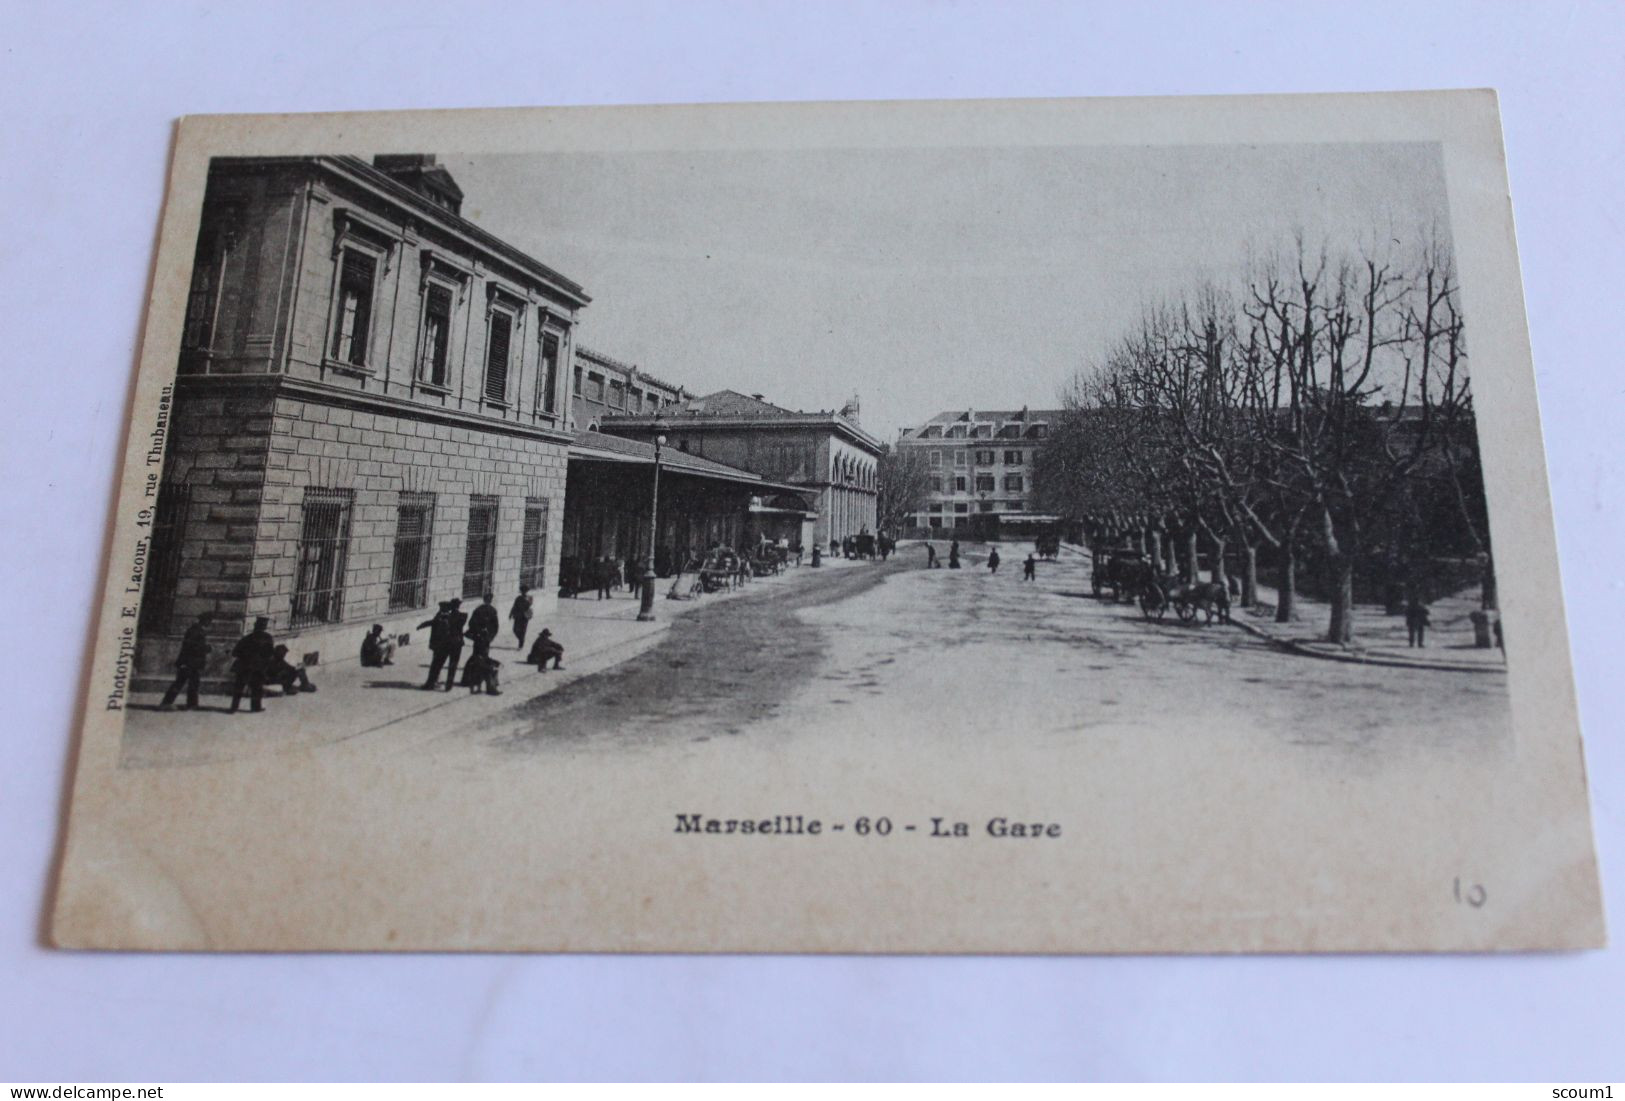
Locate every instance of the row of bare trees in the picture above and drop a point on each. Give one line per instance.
(1318, 407)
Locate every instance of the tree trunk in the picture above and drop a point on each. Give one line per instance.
(1155, 538)
(1289, 585)
(1488, 597)
(1190, 557)
(1170, 557)
(1249, 575)
(1216, 571)
(1341, 628)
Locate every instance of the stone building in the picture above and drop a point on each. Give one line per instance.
(603, 387)
(980, 466)
(826, 453)
(371, 412)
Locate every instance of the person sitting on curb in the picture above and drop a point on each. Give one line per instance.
(481, 673)
(377, 649)
(291, 677)
(544, 650)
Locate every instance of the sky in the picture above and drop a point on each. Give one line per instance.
(920, 280)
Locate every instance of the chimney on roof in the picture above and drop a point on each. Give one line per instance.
(850, 409)
(758, 397)
(424, 174)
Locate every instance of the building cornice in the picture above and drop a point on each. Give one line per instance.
(364, 401)
(700, 422)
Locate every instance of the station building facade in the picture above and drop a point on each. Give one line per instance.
(605, 387)
(826, 455)
(980, 467)
(371, 411)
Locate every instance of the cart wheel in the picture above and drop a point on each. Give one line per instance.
(1146, 608)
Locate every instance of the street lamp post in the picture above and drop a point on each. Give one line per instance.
(646, 611)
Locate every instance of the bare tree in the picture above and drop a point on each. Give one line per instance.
(904, 480)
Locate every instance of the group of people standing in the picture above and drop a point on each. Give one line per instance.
(1029, 568)
(256, 660)
(450, 626)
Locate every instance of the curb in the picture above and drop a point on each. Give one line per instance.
(1291, 647)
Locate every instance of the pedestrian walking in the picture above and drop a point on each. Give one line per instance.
(483, 626)
(993, 560)
(291, 677)
(606, 577)
(1417, 619)
(546, 650)
(250, 660)
(930, 557)
(189, 663)
(520, 613)
(377, 648)
(1029, 569)
(953, 555)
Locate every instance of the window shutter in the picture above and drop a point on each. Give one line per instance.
(496, 359)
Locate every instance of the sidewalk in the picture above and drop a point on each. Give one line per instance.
(352, 701)
(1379, 639)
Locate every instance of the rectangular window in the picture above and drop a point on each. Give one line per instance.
(634, 400)
(935, 508)
(480, 554)
(324, 545)
(164, 563)
(498, 355)
(595, 386)
(200, 300)
(414, 526)
(936, 521)
(1013, 506)
(984, 458)
(548, 377)
(436, 336)
(936, 483)
(986, 506)
(1012, 458)
(533, 550)
(617, 394)
(962, 507)
(984, 483)
(959, 458)
(354, 322)
(959, 484)
(577, 390)
(1012, 483)
(936, 458)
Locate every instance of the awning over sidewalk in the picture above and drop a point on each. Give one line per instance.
(589, 446)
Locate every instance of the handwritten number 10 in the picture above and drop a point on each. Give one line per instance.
(1474, 895)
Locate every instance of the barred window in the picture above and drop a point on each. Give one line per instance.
(497, 356)
(480, 554)
(436, 334)
(354, 321)
(533, 550)
(414, 529)
(164, 556)
(324, 544)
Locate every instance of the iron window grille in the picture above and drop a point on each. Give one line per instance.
(533, 549)
(414, 531)
(479, 556)
(164, 556)
(324, 545)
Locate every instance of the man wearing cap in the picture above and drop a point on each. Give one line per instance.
(189, 663)
(483, 626)
(440, 636)
(251, 657)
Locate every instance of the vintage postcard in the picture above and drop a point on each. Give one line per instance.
(1029, 527)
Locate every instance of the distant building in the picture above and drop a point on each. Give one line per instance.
(370, 413)
(603, 387)
(828, 453)
(980, 465)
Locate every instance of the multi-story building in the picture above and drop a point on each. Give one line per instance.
(980, 467)
(825, 453)
(604, 387)
(371, 410)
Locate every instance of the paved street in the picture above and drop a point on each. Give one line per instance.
(967, 654)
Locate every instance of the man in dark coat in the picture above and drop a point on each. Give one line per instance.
(546, 650)
(251, 659)
(520, 613)
(445, 639)
(993, 560)
(483, 626)
(953, 555)
(189, 663)
(1029, 569)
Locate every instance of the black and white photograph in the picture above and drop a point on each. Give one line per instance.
(896, 537)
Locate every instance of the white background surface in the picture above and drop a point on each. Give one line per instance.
(88, 96)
